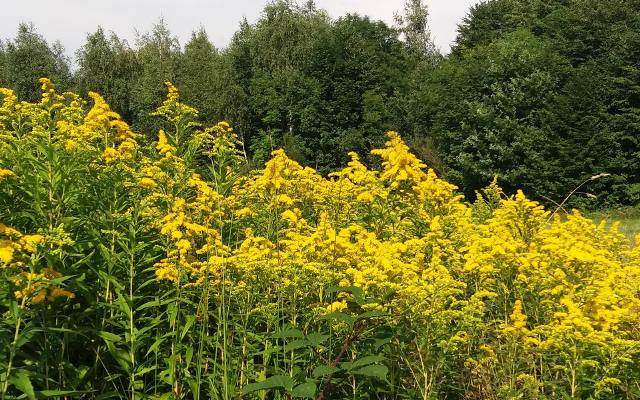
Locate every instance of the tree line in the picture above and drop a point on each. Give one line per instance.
(543, 94)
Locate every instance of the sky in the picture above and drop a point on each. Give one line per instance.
(70, 20)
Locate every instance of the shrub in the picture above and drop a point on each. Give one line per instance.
(165, 270)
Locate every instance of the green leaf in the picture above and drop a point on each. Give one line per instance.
(357, 292)
(188, 355)
(323, 370)
(383, 336)
(26, 335)
(121, 356)
(316, 339)
(122, 305)
(21, 381)
(109, 337)
(166, 396)
(190, 320)
(376, 371)
(145, 370)
(360, 362)
(154, 303)
(55, 393)
(297, 344)
(110, 395)
(348, 319)
(306, 390)
(156, 345)
(273, 382)
(372, 314)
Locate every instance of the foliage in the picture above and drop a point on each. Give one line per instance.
(28, 57)
(320, 88)
(158, 53)
(542, 93)
(159, 269)
(107, 65)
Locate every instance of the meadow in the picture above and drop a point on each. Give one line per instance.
(162, 267)
(629, 219)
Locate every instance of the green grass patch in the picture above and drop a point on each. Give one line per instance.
(629, 219)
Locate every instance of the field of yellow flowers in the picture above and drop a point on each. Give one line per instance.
(160, 267)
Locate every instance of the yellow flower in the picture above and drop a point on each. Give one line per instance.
(365, 197)
(398, 162)
(290, 216)
(284, 199)
(57, 292)
(5, 173)
(163, 145)
(110, 154)
(40, 296)
(6, 251)
(172, 109)
(8, 231)
(29, 242)
(183, 245)
(244, 212)
(167, 271)
(337, 306)
(147, 183)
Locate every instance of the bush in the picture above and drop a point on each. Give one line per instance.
(164, 271)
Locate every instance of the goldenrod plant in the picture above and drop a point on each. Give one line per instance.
(167, 270)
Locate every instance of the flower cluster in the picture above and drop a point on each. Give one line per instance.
(467, 280)
(21, 254)
(499, 295)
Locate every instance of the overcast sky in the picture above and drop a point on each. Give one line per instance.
(70, 20)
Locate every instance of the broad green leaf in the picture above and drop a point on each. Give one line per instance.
(360, 362)
(316, 339)
(305, 390)
(371, 314)
(357, 292)
(297, 344)
(273, 382)
(324, 370)
(122, 357)
(349, 320)
(376, 371)
(110, 337)
(22, 382)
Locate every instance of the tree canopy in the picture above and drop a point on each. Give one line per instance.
(543, 94)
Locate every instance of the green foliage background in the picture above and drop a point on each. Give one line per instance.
(541, 93)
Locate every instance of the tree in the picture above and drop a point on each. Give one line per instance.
(491, 115)
(367, 63)
(28, 57)
(108, 65)
(158, 53)
(485, 22)
(542, 94)
(3, 67)
(414, 25)
(269, 61)
(199, 76)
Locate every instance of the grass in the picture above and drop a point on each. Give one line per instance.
(629, 219)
